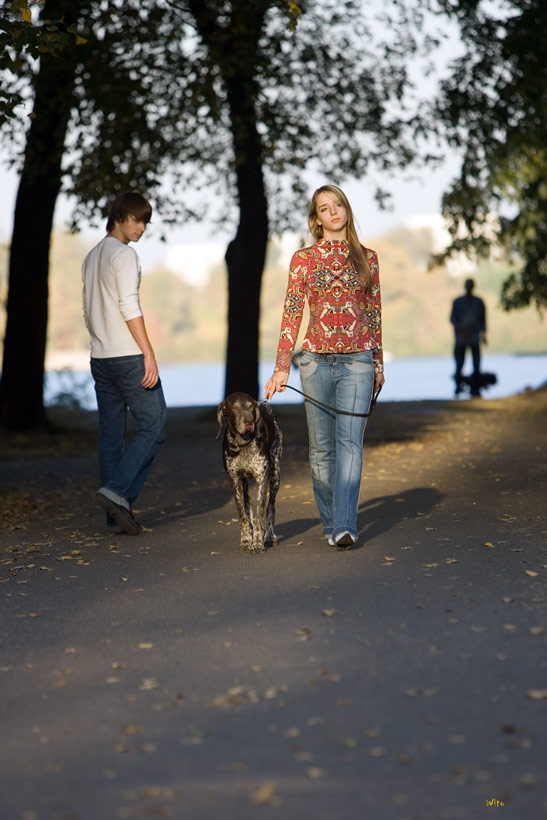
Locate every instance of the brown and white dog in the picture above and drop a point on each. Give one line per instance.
(252, 449)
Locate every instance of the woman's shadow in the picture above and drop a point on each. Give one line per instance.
(379, 515)
(376, 515)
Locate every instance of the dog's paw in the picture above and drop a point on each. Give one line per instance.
(270, 540)
(256, 548)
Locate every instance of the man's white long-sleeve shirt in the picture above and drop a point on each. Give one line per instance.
(111, 275)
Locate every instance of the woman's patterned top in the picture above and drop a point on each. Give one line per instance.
(344, 316)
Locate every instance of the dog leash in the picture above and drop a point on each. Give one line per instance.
(334, 409)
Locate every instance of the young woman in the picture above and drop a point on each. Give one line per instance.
(342, 363)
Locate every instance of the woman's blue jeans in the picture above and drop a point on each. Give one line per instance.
(344, 381)
(124, 466)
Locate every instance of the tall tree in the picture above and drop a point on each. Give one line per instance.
(21, 387)
(493, 108)
(79, 76)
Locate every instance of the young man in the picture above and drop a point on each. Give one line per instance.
(122, 362)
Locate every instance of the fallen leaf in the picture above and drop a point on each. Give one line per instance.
(537, 694)
(146, 645)
(265, 795)
(376, 751)
(315, 773)
(531, 573)
(528, 780)
(412, 693)
(489, 544)
(148, 683)
(329, 612)
(132, 729)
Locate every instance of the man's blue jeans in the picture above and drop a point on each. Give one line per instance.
(124, 466)
(344, 381)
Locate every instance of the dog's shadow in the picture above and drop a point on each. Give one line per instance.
(295, 528)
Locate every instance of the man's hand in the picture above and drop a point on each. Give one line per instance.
(151, 374)
(138, 331)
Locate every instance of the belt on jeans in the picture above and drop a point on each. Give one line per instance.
(334, 409)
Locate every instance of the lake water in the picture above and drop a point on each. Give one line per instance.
(412, 379)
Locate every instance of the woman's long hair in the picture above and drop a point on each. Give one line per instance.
(357, 254)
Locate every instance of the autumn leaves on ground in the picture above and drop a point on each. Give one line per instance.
(171, 675)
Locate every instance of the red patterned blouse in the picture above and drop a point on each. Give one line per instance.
(344, 316)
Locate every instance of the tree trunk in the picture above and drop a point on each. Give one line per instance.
(234, 49)
(245, 259)
(246, 253)
(21, 388)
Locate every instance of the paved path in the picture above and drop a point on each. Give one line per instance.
(171, 675)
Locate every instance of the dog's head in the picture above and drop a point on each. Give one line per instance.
(241, 413)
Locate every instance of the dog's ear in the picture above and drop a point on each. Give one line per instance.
(220, 417)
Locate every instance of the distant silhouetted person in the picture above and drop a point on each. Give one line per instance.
(469, 319)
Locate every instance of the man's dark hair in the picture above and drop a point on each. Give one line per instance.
(129, 204)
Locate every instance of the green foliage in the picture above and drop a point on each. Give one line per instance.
(24, 38)
(151, 108)
(494, 109)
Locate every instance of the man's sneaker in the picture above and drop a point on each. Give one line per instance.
(122, 516)
(345, 541)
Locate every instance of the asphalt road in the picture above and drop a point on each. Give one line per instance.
(171, 675)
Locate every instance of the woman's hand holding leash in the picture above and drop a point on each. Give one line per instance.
(277, 384)
(379, 381)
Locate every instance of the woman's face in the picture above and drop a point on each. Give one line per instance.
(332, 215)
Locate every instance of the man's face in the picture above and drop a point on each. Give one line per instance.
(131, 229)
